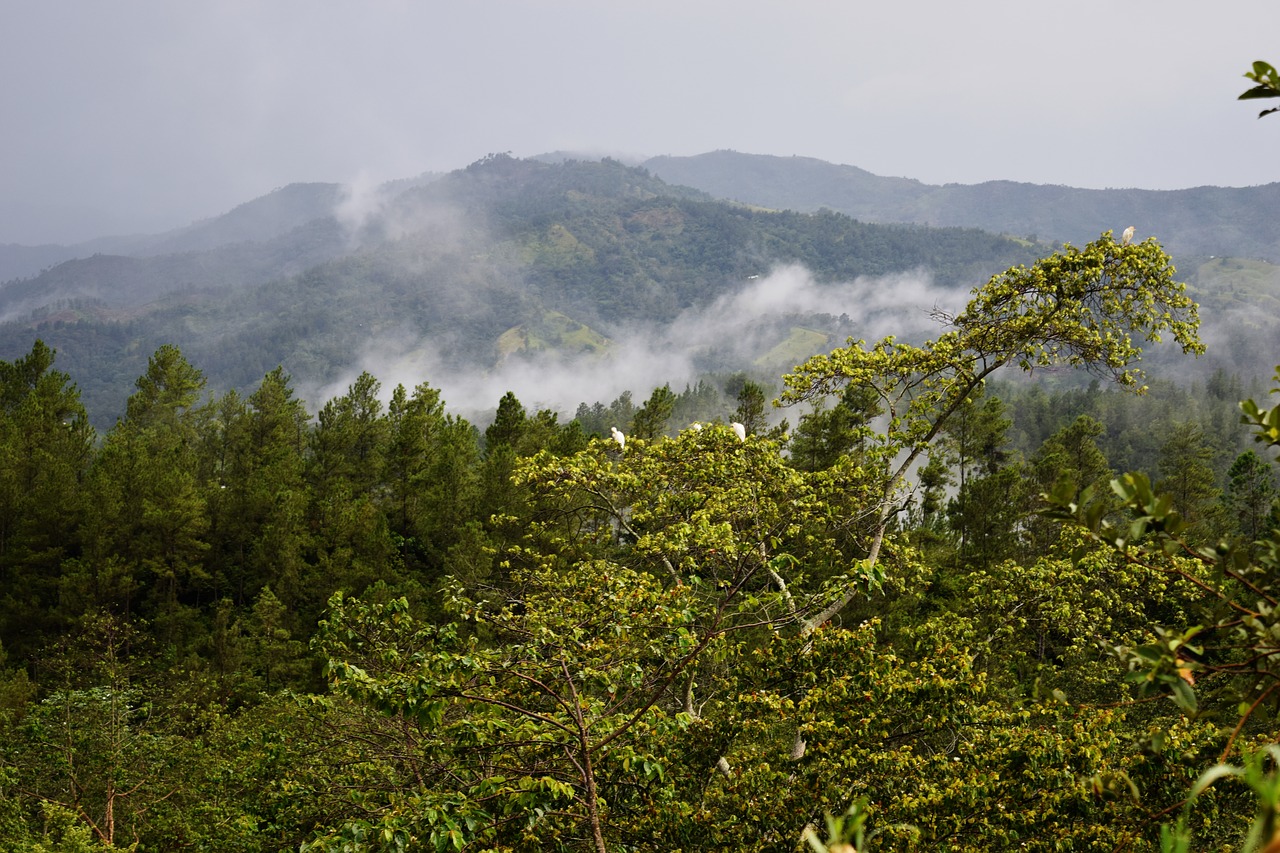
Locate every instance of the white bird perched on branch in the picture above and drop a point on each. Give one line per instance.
(618, 437)
(739, 430)
(1127, 236)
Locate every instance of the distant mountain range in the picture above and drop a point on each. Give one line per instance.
(1240, 222)
(1236, 221)
(520, 260)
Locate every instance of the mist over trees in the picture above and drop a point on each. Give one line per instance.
(516, 271)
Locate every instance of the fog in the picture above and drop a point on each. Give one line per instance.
(642, 358)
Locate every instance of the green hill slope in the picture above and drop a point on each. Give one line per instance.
(457, 264)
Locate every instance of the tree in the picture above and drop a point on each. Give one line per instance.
(987, 513)
(1251, 495)
(168, 389)
(273, 653)
(1187, 477)
(825, 435)
(413, 422)
(92, 747)
(555, 706)
(348, 444)
(1227, 663)
(651, 421)
(990, 497)
(750, 411)
(259, 492)
(147, 522)
(351, 545)
(508, 424)
(45, 449)
(1079, 308)
(1071, 456)
(521, 732)
(1069, 459)
(431, 476)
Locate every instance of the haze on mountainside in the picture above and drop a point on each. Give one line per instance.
(574, 281)
(943, 96)
(518, 265)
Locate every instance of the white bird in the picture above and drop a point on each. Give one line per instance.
(696, 427)
(1126, 236)
(618, 437)
(739, 430)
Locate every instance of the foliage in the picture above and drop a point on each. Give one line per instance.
(694, 641)
(1225, 663)
(1267, 81)
(459, 262)
(1080, 307)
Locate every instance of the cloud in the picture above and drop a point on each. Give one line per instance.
(362, 199)
(734, 329)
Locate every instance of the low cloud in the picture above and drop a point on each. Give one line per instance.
(734, 329)
(362, 200)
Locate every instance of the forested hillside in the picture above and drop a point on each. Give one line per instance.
(1238, 221)
(451, 266)
(661, 625)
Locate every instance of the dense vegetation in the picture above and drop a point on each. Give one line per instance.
(1240, 221)
(471, 266)
(228, 625)
(453, 264)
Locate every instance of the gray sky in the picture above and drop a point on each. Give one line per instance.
(140, 116)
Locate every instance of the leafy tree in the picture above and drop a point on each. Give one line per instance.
(1079, 307)
(1225, 661)
(617, 615)
(524, 728)
(92, 748)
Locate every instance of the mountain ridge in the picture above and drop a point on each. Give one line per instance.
(456, 263)
(1237, 221)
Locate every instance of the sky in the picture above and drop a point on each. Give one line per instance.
(130, 116)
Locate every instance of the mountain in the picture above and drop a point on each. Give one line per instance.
(261, 220)
(569, 255)
(1240, 222)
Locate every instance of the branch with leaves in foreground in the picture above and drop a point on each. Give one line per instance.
(1231, 663)
(1268, 85)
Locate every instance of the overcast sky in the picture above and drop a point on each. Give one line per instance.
(128, 116)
